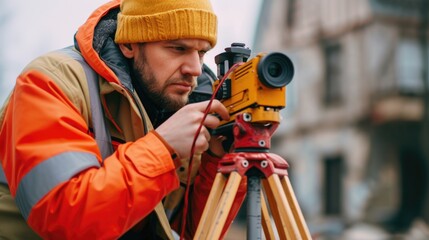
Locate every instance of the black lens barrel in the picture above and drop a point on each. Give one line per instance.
(275, 70)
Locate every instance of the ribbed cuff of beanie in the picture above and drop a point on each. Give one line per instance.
(171, 25)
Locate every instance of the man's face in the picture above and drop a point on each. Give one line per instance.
(168, 70)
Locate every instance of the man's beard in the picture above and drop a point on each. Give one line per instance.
(155, 93)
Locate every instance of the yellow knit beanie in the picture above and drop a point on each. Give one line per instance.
(156, 20)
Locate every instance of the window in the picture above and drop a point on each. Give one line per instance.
(333, 185)
(333, 65)
(409, 65)
(291, 12)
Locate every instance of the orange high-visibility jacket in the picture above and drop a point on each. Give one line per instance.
(52, 162)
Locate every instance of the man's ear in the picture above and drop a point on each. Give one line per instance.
(127, 49)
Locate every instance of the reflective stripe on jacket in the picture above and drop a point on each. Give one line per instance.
(2, 176)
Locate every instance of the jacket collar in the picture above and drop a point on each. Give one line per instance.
(95, 40)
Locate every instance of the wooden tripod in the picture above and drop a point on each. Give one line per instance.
(252, 159)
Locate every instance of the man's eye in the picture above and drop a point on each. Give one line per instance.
(179, 49)
(202, 53)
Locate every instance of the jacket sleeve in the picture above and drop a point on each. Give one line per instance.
(55, 173)
(198, 197)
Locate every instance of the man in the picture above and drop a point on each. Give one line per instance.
(147, 55)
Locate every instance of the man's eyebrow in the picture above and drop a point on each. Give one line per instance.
(184, 44)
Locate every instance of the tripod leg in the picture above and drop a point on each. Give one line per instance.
(296, 210)
(266, 220)
(207, 216)
(286, 215)
(224, 205)
(279, 222)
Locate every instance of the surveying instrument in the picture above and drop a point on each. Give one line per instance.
(254, 93)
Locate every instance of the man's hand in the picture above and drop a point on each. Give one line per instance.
(216, 146)
(180, 129)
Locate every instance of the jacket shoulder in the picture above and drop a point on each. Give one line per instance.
(67, 73)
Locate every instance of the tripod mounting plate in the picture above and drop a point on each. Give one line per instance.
(242, 162)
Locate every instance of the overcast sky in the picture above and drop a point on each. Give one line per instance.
(32, 28)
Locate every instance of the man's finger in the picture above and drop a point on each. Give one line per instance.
(220, 109)
(211, 121)
(206, 133)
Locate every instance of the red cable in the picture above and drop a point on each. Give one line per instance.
(188, 181)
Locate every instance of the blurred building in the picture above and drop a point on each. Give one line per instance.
(355, 127)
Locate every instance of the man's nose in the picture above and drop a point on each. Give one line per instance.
(192, 65)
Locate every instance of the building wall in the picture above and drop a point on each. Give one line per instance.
(368, 55)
